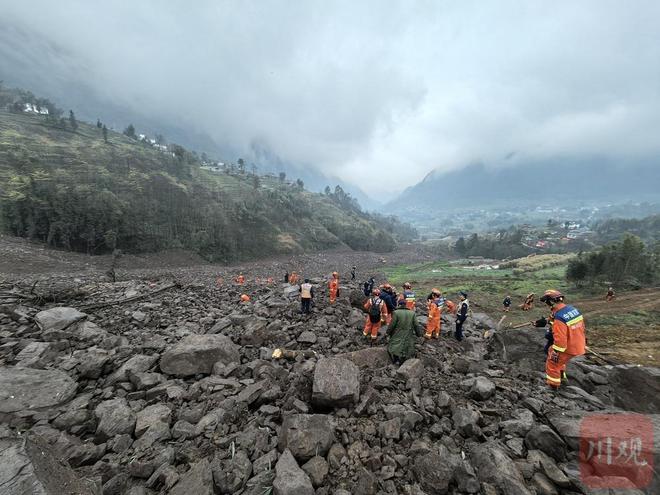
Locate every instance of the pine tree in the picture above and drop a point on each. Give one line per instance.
(130, 131)
(105, 133)
(98, 123)
(72, 121)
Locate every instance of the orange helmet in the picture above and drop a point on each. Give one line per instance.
(436, 292)
(552, 295)
(375, 292)
(335, 274)
(245, 298)
(407, 285)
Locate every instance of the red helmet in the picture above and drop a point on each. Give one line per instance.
(552, 295)
(375, 292)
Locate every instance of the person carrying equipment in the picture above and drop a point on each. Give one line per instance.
(506, 303)
(388, 296)
(609, 297)
(306, 296)
(333, 287)
(461, 315)
(408, 296)
(293, 278)
(569, 337)
(402, 333)
(353, 272)
(245, 298)
(376, 315)
(286, 277)
(435, 313)
(240, 279)
(528, 303)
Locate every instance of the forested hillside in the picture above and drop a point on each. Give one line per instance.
(82, 187)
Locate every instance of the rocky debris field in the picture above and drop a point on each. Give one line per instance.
(149, 386)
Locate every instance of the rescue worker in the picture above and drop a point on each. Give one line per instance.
(333, 287)
(609, 297)
(433, 323)
(461, 314)
(451, 307)
(506, 303)
(270, 281)
(402, 333)
(376, 315)
(245, 298)
(528, 303)
(286, 277)
(293, 278)
(569, 337)
(408, 296)
(240, 280)
(353, 272)
(368, 286)
(306, 296)
(388, 296)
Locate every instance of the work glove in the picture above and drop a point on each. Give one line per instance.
(554, 356)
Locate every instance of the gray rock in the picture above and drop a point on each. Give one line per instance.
(115, 418)
(252, 392)
(57, 318)
(93, 363)
(410, 369)
(32, 468)
(466, 422)
(370, 357)
(24, 389)
(136, 364)
(307, 337)
(289, 478)
(231, 475)
(150, 415)
(317, 469)
(183, 429)
(521, 425)
(336, 383)
(220, 325)
(543, 485)
(145, 380)
(390, 429)
(482, 389)
(636, 388)
(495, 467)
(197, 354)
(544, 438)
(367, 484)
(306, 435)
(197, 480)
(433, 472)
(34, 355)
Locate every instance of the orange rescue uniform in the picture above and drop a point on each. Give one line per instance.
(372, 327)
(568, 332)
(333, 288)
(433, 324)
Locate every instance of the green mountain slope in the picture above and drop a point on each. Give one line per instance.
(73, 190)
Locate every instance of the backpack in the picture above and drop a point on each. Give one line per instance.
(374, 311)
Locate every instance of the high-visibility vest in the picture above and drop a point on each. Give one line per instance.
(306, 291)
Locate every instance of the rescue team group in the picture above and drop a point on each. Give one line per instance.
(565, 332)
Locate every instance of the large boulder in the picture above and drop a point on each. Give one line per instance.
(198, 480)
(370, 357)
(544, 438)
(434, 472)
(524, 347)
(306, 435)
(289, 478)
(24, 389)
(197, 354)
(30, 467)
(136, 364)
(57, 318)
(336, 383)
(636, 388)
(115, 418)
(494, 466)
(482, 389)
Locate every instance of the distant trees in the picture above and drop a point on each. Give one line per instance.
(326, 191)
(506, 244)
(105, 133)
(241, 165)
(282, 177)
(98, 124)
(72, 121)
(130, 131)
(300, 184)
(627, 262)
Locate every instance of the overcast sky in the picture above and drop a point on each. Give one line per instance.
(377, 93)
